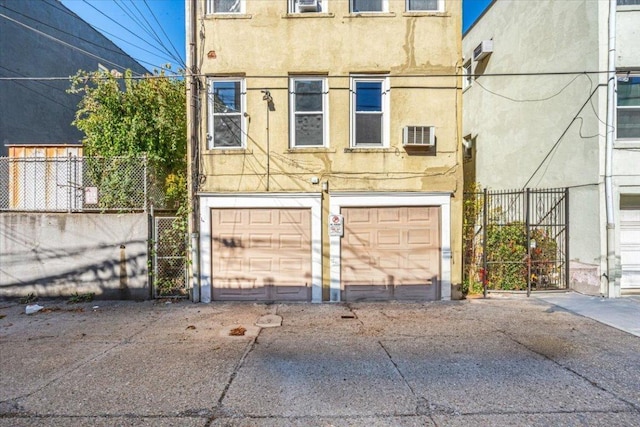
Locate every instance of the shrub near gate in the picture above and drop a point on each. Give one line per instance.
(507, 257)
(506, 251)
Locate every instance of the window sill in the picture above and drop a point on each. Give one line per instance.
(628, 8)
(229, 16)
(356, 15)
(626, 143)
(225, 151)
(370, 150)
(302, 150)
(308, 15)
(432, 13)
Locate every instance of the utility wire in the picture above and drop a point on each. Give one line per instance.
(40, 93)
(57, 40)
(182, 62)
(155, 34)
(113, 36)
(148, 28)
(401, 76)
(119, 52)
(117, 23)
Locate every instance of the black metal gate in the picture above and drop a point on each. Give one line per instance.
(516, 240)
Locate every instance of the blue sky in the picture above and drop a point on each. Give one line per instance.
(152, 31)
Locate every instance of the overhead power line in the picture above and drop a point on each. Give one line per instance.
(393, 76)
(57, 40)
(119, 24)
(158, 52)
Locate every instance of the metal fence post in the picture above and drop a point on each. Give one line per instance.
(566, 238)
(527, 225)
(485, 272)
(145, 178)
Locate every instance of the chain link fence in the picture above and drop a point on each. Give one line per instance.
(170, 258)
(78, 184)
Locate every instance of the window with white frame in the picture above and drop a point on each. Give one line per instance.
(226, 105)
(628, 111)
(370, 112)
(306, 6)
(308, 101)
(628, 2)
(225, 6)
(357, 6)
(423, 5)
(467, 76)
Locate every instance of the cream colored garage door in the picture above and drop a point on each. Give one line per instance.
(630, 249)
(391, 253)
(261, 254)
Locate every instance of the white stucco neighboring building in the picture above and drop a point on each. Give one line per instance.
(536, 114)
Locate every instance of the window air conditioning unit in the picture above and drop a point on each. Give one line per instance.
(308, 5)
(483, 50)
(419, 136)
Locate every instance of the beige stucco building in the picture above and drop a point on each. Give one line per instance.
(325, 146)
(551, 100)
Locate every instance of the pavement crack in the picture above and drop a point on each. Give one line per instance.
(219, 405)
(573, 371)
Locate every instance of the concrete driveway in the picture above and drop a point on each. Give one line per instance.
(504, 361)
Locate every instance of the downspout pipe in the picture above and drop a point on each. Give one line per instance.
(193, 148)
(608, 165)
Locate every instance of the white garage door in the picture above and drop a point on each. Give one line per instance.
(391, 253)
(261, 254)
(630, 248)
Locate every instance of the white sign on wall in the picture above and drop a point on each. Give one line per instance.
(91, 195)
(336, 225)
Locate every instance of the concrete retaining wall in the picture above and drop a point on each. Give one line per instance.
(57, 255)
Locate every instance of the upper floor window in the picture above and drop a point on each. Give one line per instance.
(306, 6)
(628, 2)
(467, 76)
(358, 6)
(226, 106)
(370, 111)
(628, 111)
(308, 119)
(225, 6)
(423, 5)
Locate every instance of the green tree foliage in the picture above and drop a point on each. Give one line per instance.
(127, 116)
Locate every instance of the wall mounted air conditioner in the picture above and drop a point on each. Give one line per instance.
(483, 50)
(308, 5)
(419, 136)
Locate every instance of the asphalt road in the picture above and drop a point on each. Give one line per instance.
(504, 361)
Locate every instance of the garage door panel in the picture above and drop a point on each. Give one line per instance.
(260, 217)
(389, 215)
(260, 265)
(291, 218)
(419, 215)
(389, 256)
(391, 262)
(291, 241)
(420, 237)
(391, 238)
(261, 255)
(630, 248)
(359, 239)
(293, 264)
(374, 290)
(416, 292)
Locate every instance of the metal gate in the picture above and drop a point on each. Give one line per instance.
(169, 258)
(516, 240)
